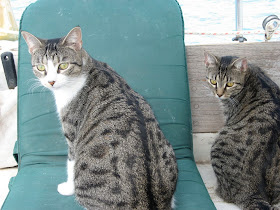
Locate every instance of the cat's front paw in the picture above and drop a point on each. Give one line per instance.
(66, 188)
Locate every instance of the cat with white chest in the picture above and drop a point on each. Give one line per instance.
(118, 158)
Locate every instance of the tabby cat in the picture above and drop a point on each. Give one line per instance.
(118, 158)
(246, 154)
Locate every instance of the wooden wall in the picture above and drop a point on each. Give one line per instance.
(206, 111)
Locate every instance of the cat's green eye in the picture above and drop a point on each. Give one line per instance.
(230, 84)
(41, 67)
(213, 82)
(63, 66)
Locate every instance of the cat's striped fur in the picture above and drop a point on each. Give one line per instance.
(246, 154)
(120, 157)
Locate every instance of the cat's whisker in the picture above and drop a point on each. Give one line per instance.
(31, 80)
(37, 84)
(209, 90)
(210, 94)
(43, 88)
(33, 87)
(206, 86)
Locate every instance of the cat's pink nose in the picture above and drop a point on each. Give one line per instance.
(51, 83)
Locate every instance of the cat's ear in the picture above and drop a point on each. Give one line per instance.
(32, 41)
(210, 60)
(74, 39)
(241, 64)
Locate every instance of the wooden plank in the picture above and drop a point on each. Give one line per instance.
(206, 110)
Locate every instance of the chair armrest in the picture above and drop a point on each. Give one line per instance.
(9, 69)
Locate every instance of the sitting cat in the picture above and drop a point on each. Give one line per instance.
(118, 158)
(246, 154)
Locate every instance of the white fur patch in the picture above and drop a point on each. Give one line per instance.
(68, 188)
(173, 202)
(52, 71)
(63, 95)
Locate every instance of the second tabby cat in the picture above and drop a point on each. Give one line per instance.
(246, 154)
(118, 158)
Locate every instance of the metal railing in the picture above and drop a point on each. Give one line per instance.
(270, 25)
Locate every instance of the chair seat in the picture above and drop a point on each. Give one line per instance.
(144, 42)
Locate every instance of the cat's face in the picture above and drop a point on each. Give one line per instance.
(56, 62)
(226, 75)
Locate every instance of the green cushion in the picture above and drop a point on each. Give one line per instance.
(144, 42)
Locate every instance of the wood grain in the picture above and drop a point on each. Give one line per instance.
(207, 113)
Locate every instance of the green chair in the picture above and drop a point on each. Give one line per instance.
(143, 40)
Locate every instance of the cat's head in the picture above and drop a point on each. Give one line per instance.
(56, 61)
(225, 75)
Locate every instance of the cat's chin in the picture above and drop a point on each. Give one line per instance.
(222, 97)
(54, 87)
(50, 87)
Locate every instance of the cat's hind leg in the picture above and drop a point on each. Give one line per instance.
(68, 188)
(256, 203)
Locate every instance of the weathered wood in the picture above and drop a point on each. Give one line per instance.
(206, 111)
